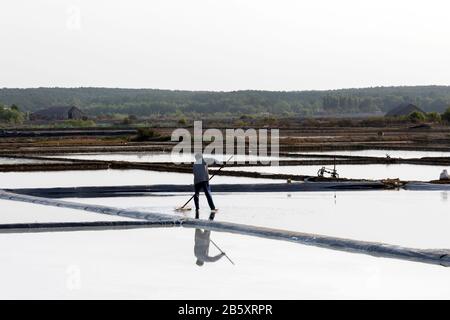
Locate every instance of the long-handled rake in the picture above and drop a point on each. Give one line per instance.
(183, 207)
(226, 256)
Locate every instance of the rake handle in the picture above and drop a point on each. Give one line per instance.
(222, 252)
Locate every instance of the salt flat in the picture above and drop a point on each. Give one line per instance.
(405, 154)
(417, 219)
(41, 179)
(408, 172)
(160, 264)
(22, 212)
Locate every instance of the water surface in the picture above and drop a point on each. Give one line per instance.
(409, 218)
(160, 264)
(405, 154)
(47, 179)
(409, 172)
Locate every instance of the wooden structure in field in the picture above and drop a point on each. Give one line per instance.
(58, 113)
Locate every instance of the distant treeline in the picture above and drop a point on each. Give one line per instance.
(148, 102)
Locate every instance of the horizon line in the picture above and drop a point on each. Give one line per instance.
(224, 91)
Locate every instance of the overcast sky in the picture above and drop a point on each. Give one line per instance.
(224, 45)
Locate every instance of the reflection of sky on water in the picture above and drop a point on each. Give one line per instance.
(383, 153)
(105, 178)
(158, 263)
(372, 171)
(409, 218)
(165, 157)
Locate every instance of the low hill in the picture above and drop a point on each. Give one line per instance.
(147, 102)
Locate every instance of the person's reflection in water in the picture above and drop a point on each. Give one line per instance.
(202, 242)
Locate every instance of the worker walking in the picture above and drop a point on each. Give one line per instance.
(201, 182)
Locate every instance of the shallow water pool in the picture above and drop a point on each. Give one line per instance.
(47, 179)
(405, 154)
(160, 264)
(22, 212)
(164, 157)
(407, 172)
(408, 218)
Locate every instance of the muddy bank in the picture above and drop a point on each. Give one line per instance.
(291, 139)
(32, 149)
(65, 133)
(297, 159)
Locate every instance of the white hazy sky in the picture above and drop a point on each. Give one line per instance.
(224, 45)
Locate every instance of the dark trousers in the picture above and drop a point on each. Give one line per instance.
(205, 187)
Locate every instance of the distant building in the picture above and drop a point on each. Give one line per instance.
(403, 110)
(58, 113)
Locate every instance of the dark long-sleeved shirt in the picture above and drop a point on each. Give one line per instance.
(201, 173)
